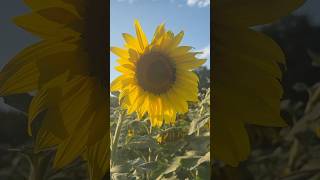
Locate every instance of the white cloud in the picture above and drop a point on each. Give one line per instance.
(205, 53)
(130, 1)
(199, 3)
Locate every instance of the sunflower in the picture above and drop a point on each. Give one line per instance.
(67, 71)
(156, 77)
(246, 73)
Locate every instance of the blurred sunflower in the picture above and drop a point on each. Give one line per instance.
(246, 73)
(67, 70)
(156, 78)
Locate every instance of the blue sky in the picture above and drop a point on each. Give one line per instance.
(191, 16)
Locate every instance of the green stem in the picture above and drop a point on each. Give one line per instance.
(117, 136)
(148, 174)
(34, 168)
(150, 133)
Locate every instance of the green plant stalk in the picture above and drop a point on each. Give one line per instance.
(198, 134)
(149, 156)
(150, 133)
(116, 137)
(34, 168)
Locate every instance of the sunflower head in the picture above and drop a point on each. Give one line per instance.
(157, 77)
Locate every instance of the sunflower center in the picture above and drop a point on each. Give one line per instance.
(156, 73)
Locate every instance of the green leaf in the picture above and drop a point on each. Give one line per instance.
(205, 158)
(143, 142)
(196, 124)
(123, 168)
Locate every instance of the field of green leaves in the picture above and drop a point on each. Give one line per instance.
(178, 151)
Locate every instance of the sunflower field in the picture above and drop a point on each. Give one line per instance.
(173, 152)
(178, 151)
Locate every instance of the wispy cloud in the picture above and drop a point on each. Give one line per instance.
(191, 3)
(130, 1)
(199, 3)
(205, 53)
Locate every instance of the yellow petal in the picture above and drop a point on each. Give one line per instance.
(126, 69)
(253, 12)
(160, 31)
(54, 123)
(59, 15)
(231, 142)
(71, 148)
(124, 61)
(250, 43)
(24, 80)
(142, 39)
(176, 40)
(39, 4)
(45, 140)
(132, 42)
(120, 52)
(189, 63)
(100, 123)
(249, 107)
(51, 66)
(42, 99)
(180, 51)
(98, 158)
(43, 27)
(38, 104)
(79, 5)
(121, 82)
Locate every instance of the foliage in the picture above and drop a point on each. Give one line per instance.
(292, 153)
(176, 151)
(180, 150)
